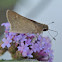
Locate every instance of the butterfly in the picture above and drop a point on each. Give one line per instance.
(21, 24)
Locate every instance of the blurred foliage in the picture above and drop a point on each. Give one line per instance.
(24, 60)
(4, 5)
(7, 3)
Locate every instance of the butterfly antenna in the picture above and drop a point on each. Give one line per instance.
(51, 35)
(50, 23)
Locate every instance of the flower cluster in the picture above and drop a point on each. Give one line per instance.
(29, 45)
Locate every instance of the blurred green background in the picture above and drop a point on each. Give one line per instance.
(4, 5)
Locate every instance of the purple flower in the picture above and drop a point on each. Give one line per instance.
(23, 38)
(12, 34)
(23, 49)
(39, 37)
(40, 45)
(29, 54)
(35, 47)
(7, 25)
(24, 53)
(20, 38)
(6, 42)
(30, 35)
(28, 41)
(17, 38)
(46, 53)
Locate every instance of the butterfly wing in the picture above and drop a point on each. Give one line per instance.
(20, 24)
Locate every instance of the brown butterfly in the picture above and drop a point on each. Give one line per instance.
(21, 24)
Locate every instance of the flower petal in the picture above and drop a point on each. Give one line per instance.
(3, 45)
(10, 41)
(4, 40)
(8, 45)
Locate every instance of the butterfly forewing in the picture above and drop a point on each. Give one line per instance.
(19, 23)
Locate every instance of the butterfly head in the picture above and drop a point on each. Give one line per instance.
(45, 27)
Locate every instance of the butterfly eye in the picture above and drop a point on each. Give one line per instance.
(45, 29)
